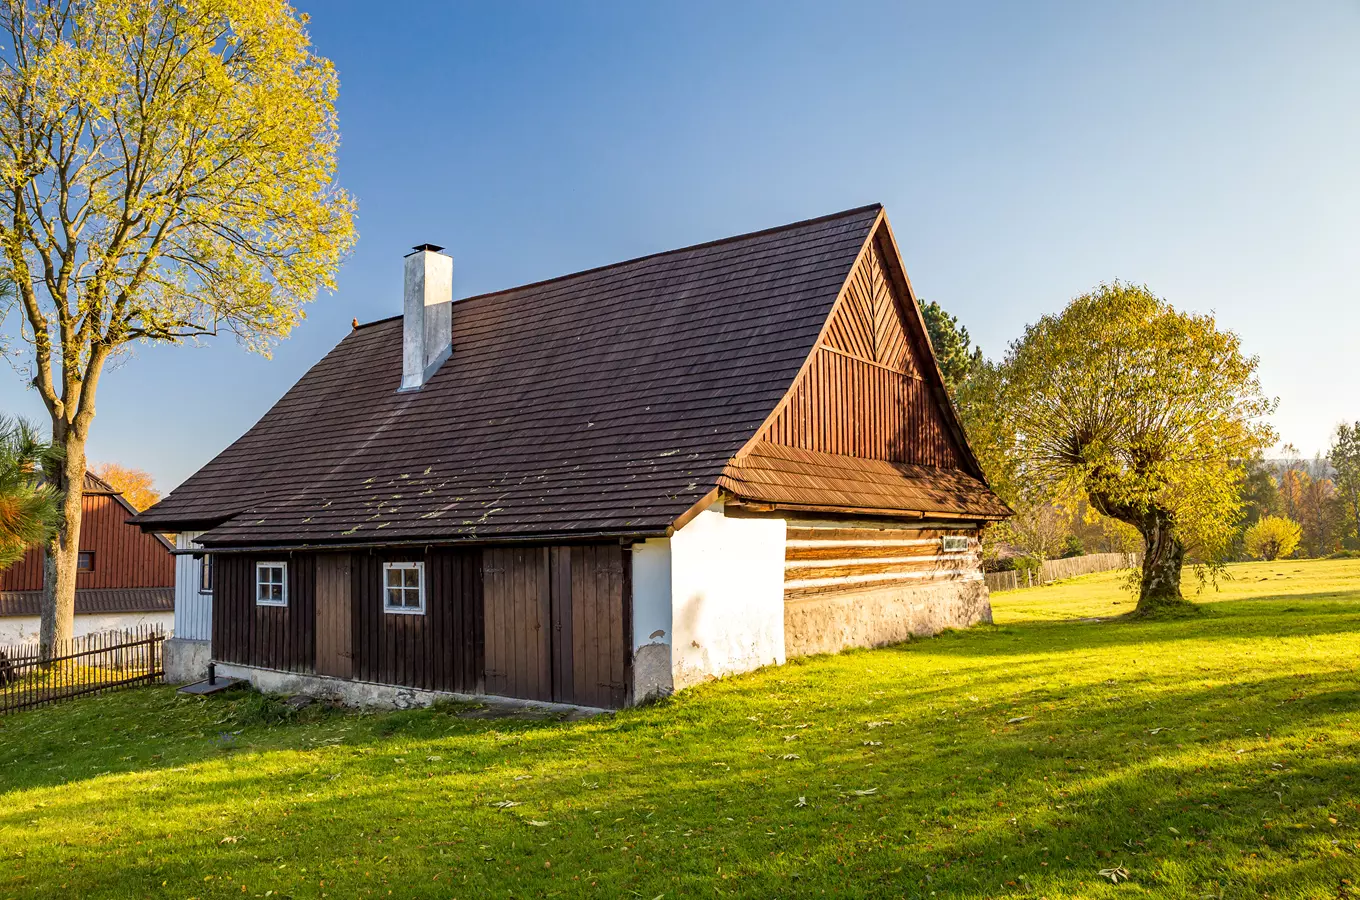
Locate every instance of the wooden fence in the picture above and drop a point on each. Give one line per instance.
(84, 665)
(1056, 569)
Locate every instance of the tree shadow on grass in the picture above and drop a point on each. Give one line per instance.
(673, 822)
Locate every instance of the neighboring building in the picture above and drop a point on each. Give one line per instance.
(125, 578)
(598, 488)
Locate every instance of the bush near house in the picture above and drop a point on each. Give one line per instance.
(1050, 755)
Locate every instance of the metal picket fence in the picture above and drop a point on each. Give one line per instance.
(84, 665)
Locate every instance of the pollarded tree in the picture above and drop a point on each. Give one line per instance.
(1142, 409)
(165, 174)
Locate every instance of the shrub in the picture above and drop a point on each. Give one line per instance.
(1272, 537)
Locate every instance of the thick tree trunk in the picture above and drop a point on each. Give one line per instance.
(1163, 557)
(59, 569)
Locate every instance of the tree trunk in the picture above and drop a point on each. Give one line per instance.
(1163, 556)
(59, 569)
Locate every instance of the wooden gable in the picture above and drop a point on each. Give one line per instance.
(870, 389)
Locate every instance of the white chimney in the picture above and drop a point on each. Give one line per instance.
(427, 316)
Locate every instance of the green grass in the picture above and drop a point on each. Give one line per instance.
(1209, 757)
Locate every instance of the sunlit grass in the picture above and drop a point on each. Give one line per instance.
(1206, 757)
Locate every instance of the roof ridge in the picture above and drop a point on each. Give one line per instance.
(845, 213)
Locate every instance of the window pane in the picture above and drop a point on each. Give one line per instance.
(393, 597)
(412, 577)
(413, 599)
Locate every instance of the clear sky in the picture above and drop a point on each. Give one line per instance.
(1025, 152)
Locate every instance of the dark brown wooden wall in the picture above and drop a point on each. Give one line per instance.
(864, 394)
(273, 637)
(537, 623)
(439, 651)
(124, 557)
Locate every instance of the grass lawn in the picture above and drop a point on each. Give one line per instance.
(1209, 757)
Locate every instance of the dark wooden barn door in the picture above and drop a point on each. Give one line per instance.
(334, 635)
(591, 627)
(517, 615)
(557, 623)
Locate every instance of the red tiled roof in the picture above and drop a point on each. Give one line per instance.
(598, 403)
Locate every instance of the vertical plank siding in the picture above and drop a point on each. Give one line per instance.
(274, 637)
(334, 615)
(863, 394)
(518, 621)
(536, 623)
(193, 608)
(124, 557)
(438, 651)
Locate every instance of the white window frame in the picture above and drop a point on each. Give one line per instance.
(283, 569)
(954, 543)
(205, 569)
(419, 568)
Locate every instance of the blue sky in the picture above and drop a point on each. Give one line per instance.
(1025, 152)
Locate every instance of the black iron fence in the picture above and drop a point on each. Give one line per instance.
(84, 665)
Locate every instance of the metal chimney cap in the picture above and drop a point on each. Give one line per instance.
(433, 248)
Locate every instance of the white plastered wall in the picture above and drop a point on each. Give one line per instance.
(24, 629)
(652, 619)
(727, 596)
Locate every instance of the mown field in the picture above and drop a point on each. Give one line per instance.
(1205, 758)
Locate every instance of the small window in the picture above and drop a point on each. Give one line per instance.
(404, 587)
(85, 561)
(205, 574)
(954, 543)
(271, 584)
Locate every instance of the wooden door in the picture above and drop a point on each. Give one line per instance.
(592, 630)
(558, 624)
(334, 634)
(516, 617)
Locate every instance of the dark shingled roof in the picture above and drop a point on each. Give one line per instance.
(90, 601)
(605, 402)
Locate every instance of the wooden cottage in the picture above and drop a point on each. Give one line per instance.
(124, 578)
(598, 488)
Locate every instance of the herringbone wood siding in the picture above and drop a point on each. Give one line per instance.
(863, 394)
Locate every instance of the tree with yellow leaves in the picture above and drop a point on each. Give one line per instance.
(1272, 537)
(136, 486)
(166, 173)
(1145, 411)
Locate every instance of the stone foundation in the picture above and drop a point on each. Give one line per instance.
(186, 661)
(364, 694)
(873, 618)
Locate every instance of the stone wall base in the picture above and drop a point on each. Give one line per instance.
(186, 660)
(873, 618)
(365, 694)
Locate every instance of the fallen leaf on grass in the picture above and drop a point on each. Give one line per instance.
(536, 823)
(802, 801)
(1017, 720)
(505, 804)
(229, 839)
(790, 756)
(865, 793)
(873, 743)
(1115, 874)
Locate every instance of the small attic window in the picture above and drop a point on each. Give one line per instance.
(954, 543)
(85, 561)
